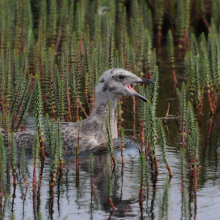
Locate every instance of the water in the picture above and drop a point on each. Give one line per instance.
(74, 197)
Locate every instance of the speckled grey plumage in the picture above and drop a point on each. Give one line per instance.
(111, 84)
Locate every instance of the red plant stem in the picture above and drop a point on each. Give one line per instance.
(76, 160)
(14, 195)
(87, 101)
(146, 149)
(168, 168)
(206, 22)
(177, 112)
(141, 198)
(25, 181)
(83, 110)
(77, 110)
(77, 177)
(92, 184)
(134, 115)
(41, 144)
(210, 101)
(180, 44)
(57, 42)
(113, 161)
(122, 150)
(111, 213)
(51, 100)
(159, 37)
(34, 203)
(182, 176)
(34, 174)
(183, 137)
(142, 134)
(68, 104)
(155, 161)
(122, 177)
(81, 46)
(40, 177)
(14, 176)
(110, 202)
(173, 72)
(195, 205)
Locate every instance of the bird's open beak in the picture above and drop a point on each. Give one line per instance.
(143, 80)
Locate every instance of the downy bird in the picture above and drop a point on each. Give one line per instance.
(111, 84)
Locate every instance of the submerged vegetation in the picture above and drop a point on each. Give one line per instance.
(51, 56)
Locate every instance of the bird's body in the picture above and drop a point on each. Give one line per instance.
(112, 83)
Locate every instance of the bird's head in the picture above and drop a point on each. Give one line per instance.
(118, 82)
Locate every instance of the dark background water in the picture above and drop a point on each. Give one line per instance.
(73, 198)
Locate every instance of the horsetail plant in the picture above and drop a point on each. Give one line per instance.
(122, 145)
(2, 167)
(23, 166)
(39, 113)
(59, 145)
(91, 171)
(170, 50)
(159, 6)
(50, 68)
(142, 108)
(109, 186)
(78, 140)
(182, 112)
(57, 160)
(193, 138)
(13, 157)
(206, 73)
(35, 153)
(142, 176)
(49, 130)
(150, 116)
(152, 135)
(162, 143)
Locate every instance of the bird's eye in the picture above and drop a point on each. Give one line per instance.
(121, 77)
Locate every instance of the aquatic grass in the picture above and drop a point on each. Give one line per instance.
(109, 186)
(23, 166)
(78, 140)
(35, 153)
(150, 123)
(142, 176)
(142, 111)
(170, 50)
(181, 95)
(39, 112)
(162, 143)
(91, 168)
(13, 157)
(2, 168)
(164, 201)
(159, 7)
(50, 133)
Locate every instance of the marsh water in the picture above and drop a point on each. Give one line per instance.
(164, 198)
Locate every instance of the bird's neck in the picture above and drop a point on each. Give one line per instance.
(101, 110)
